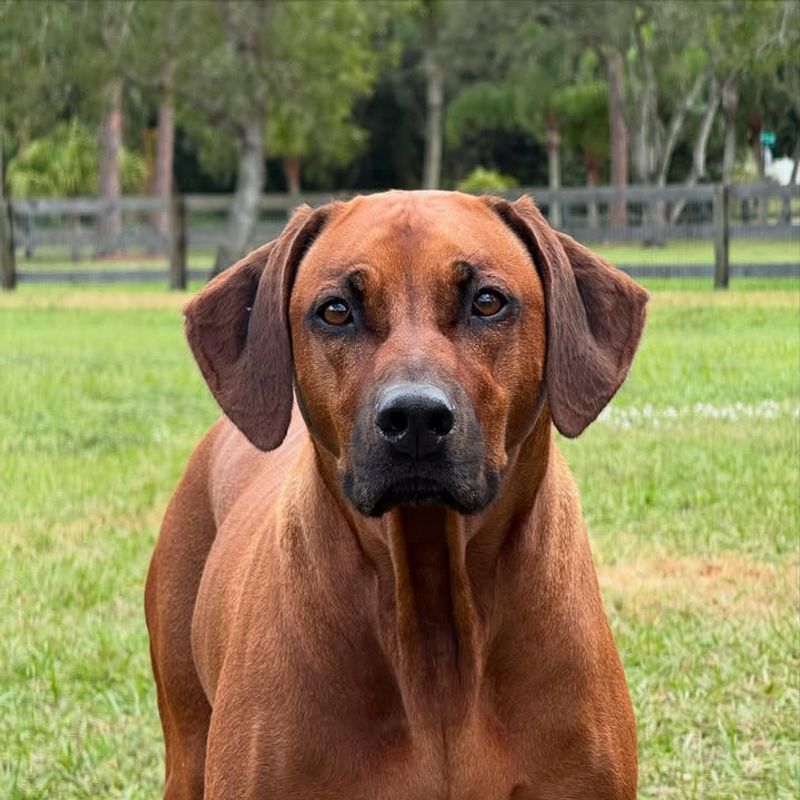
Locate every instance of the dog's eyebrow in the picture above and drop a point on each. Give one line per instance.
(356, 282)
(465, 270)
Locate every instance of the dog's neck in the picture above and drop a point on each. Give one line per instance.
(436, 582)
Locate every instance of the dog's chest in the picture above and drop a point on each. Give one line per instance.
(391, 761)
(308, 701)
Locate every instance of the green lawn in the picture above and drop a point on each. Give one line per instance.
(58, 259)
(676, 253)
(691, 500)
(701, 251)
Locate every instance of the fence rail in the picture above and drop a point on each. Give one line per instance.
(169, 229)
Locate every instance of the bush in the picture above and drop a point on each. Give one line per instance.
(486, 180)
(64, 164)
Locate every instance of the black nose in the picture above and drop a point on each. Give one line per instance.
(414, 418)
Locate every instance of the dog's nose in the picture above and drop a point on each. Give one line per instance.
(414, 418)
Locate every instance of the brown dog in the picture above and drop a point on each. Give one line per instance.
(399, 601)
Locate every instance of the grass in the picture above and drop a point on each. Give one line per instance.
(676, 252)
(59, 260)
(694, 523)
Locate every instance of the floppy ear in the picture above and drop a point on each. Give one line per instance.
(238, 330)
(595, 316)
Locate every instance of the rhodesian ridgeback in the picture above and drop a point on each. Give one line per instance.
(385, 591)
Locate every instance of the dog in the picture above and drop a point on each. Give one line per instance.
(384, 590)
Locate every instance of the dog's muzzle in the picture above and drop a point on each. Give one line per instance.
(414, 419)
(417, 444)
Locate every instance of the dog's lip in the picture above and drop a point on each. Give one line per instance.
(462, 486)
(413, 490)
(415, 483)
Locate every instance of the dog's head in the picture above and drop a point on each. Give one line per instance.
(424, 332)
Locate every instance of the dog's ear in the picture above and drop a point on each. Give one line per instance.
(238, 330)
(595, 316)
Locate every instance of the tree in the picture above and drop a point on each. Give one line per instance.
(607, 30)
(669, 70)
(583, 110)
(532, 64)
(546, 66)
(243, 64)
(32, 102)
(310, 118)
(151, 70)
(433, 12)
(97, 41)
(66, 164)
(222, 77)
(755, 43)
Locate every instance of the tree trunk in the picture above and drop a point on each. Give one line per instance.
(165, 150)
(618, 132)
(2, 167)
(8, 267)
(754, 128)
(698, 169)
(243, 214)
(592, 164)
(554, 166)
(701, 143)
(434, 101)
(755, 124)
(676, 124)
(658, 209)
(645, 143)
(786, 207)
(730, 109)
(796, 164)
(110, 185)
(292, 170)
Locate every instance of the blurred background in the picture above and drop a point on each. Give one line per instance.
(130, 127)
(146, 145)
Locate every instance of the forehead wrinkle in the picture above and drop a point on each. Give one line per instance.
(339, 279)
(396, 242)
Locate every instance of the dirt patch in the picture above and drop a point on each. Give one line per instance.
(721, 584)
(76, 532)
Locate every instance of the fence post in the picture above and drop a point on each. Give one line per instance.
(721, 236)
(177, 242)
(8, 267)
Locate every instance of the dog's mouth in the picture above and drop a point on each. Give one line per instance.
(373, 498)
(415, 491)
(379, 475)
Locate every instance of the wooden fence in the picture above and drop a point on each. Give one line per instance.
(653, 216)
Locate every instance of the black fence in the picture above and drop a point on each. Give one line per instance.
(145, 239)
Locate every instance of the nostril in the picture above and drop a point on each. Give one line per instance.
(440, 423)
(414, 419)
(393, 422)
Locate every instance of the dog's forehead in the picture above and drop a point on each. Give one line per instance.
(419, 231)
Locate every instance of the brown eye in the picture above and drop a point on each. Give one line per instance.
(487, 303)
(335, 312)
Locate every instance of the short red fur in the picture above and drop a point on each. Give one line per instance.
(303, 650)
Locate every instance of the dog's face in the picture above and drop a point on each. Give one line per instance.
(418, 332)
(424, 331)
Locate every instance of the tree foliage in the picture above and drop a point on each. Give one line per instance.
(64, 164)
(486, 180)
(334, 64)
(340, 86)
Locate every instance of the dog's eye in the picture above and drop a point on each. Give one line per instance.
(487, 303)
(335, 312)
